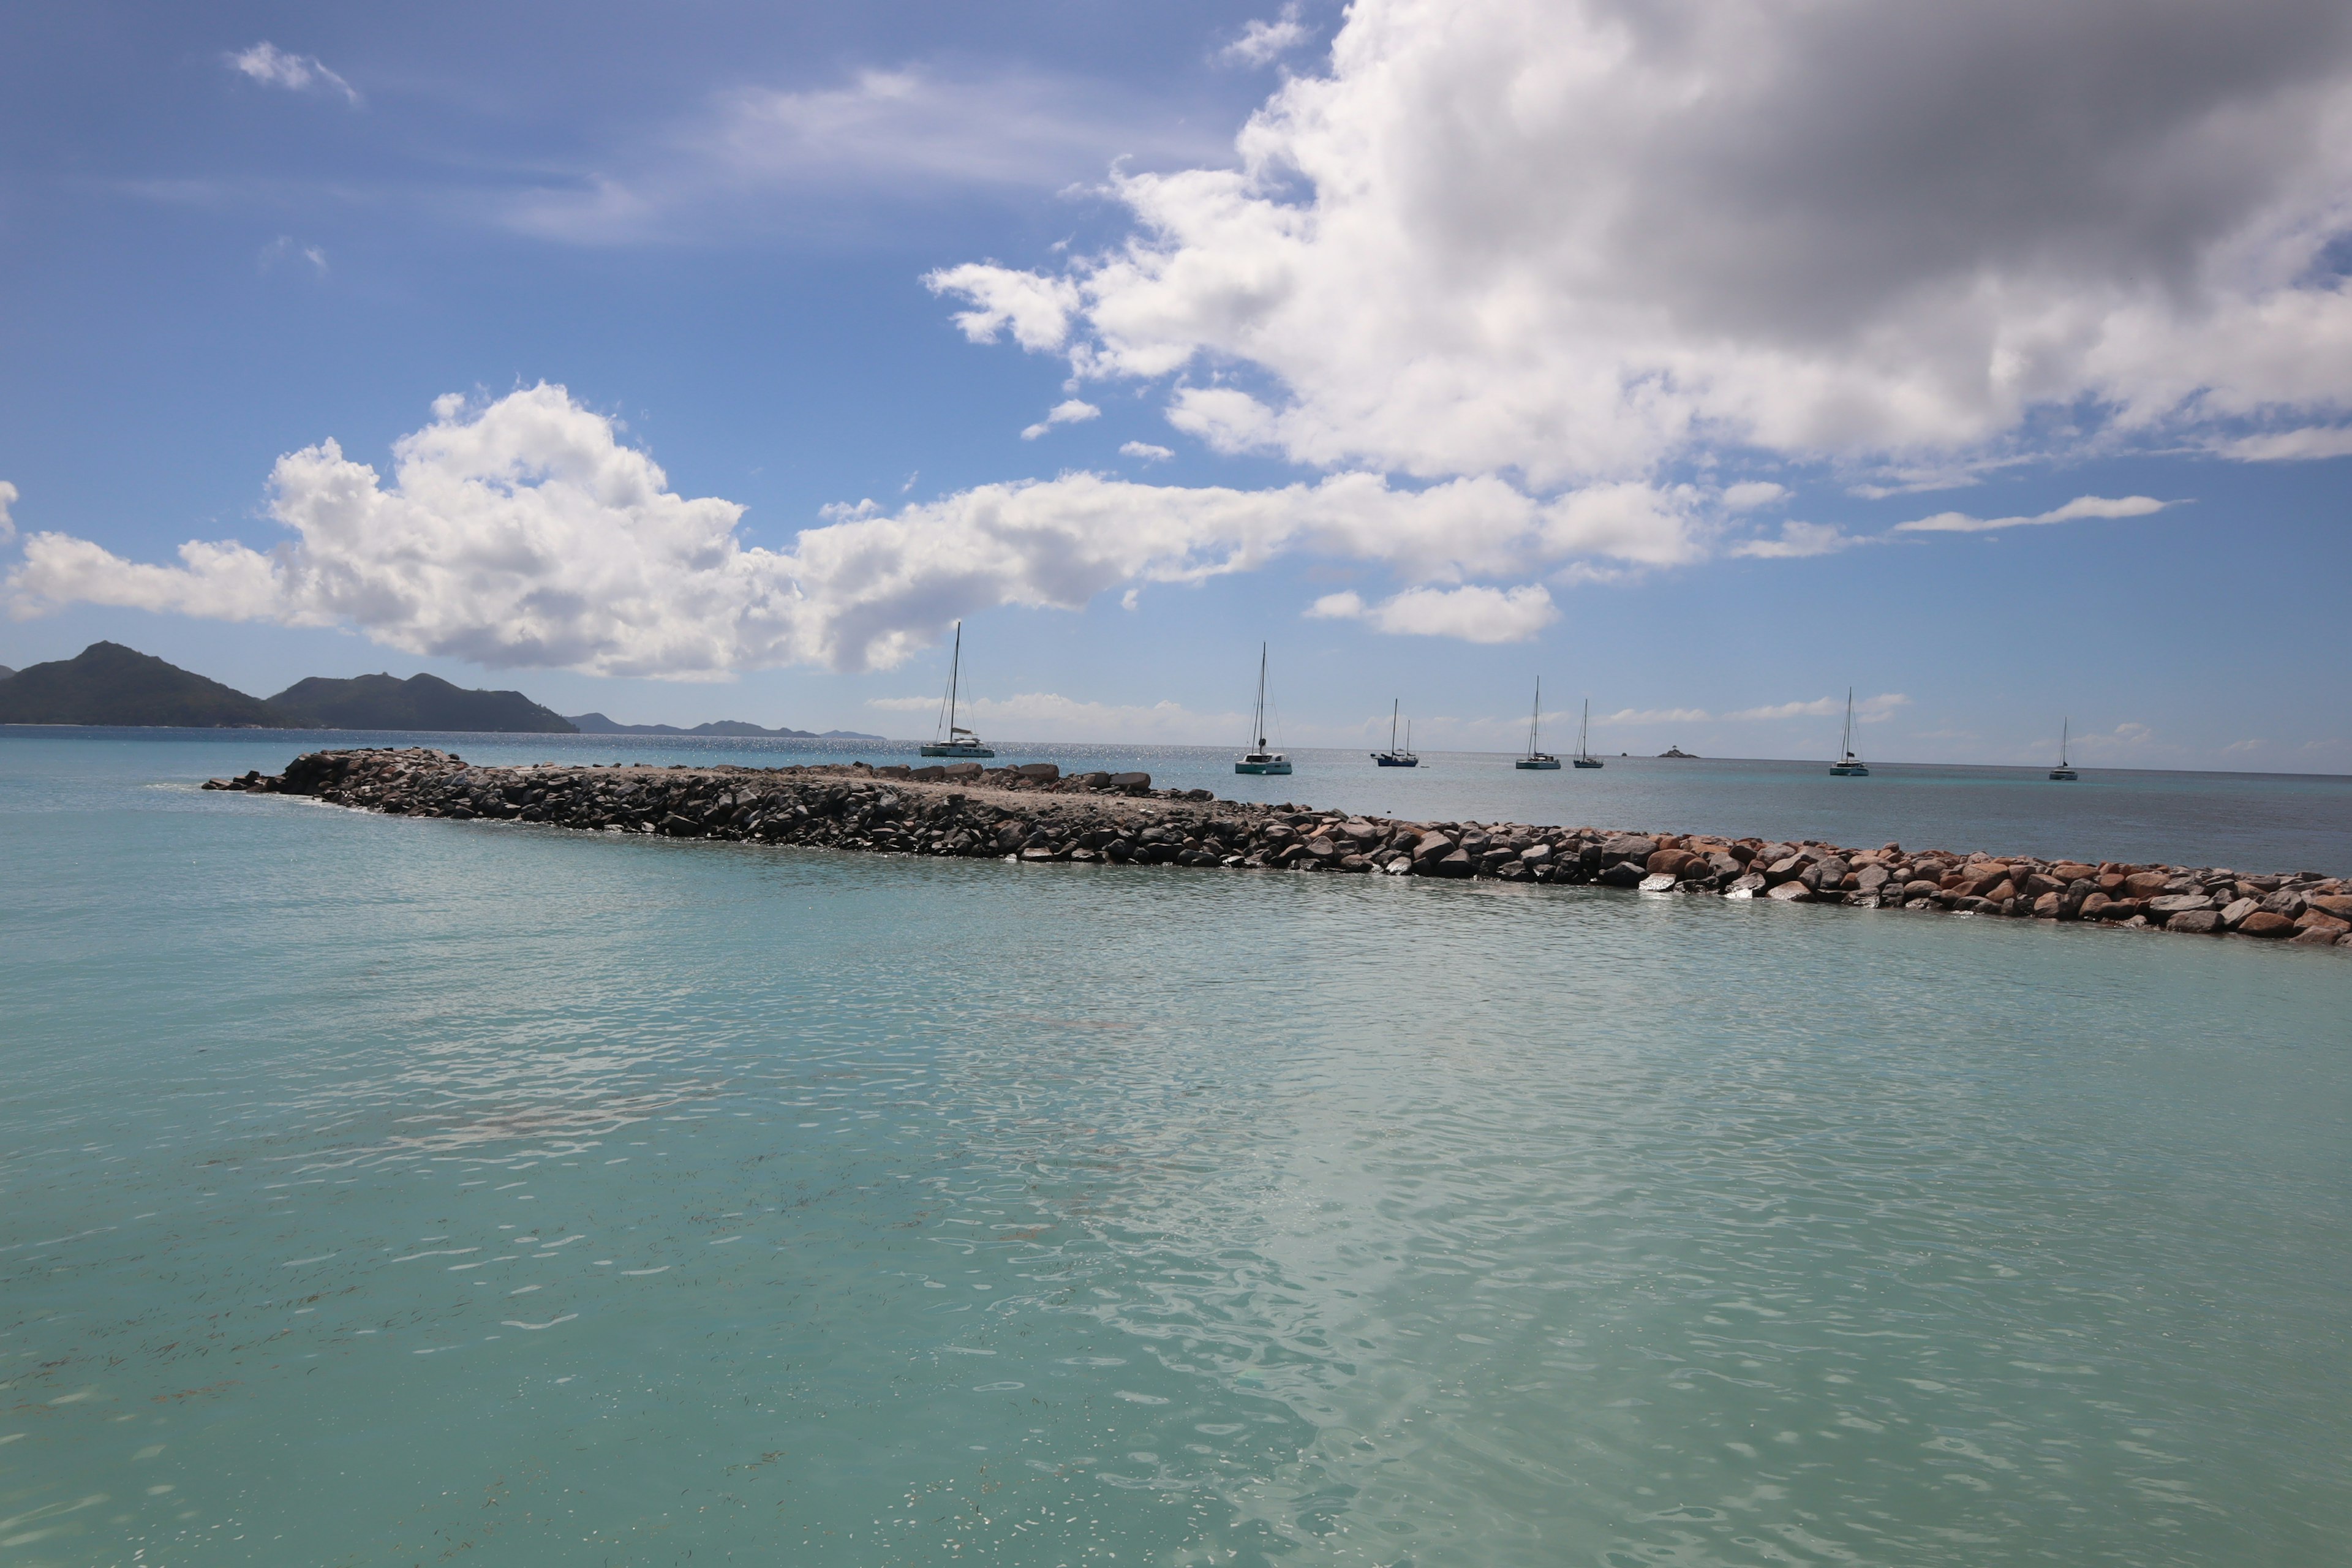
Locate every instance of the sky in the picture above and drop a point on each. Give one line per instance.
(1702, 360)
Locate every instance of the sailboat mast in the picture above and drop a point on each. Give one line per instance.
(1534, 718)
(1394, 704)
(955, 675)
(1260, 721)
(2063, 730)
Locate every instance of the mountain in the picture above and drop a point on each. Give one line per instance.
(107, 683)
(597, 724)
(6, 673)
(420, 702)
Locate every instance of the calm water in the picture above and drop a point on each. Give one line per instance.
(2254, 822)
(377, 1192)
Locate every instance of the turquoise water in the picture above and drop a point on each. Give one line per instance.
(379, 1190)
(2252, 822)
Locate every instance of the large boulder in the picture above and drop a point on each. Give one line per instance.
(2146, 884)
(2265, 923)
(2196, 922)
(1792, 892)
(2236, 912)
(2172, 904)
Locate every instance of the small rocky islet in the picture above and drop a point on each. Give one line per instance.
(1034, 812)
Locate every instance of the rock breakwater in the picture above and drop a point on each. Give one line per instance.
(1034, 812)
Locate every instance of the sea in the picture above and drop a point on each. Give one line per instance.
(876, 1210)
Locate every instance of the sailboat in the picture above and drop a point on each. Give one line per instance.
(1393, 758)
(1536, 759)
(1261, 761)
(1848, 765)
(960, 741)
(2061, 773)
(1584, 757)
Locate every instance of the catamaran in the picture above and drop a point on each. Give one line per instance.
(1535, 758)
(1584, 757)
(1393, 758)
(1848, 765)
(2061, 773)
(959, 741)
(1261, 761)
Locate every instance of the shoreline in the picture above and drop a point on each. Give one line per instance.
(1033, 813)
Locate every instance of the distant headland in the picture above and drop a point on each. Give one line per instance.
(108, 684)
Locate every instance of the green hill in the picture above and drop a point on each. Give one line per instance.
(107, 683)
(420, 702)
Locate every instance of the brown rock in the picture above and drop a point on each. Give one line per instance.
(2072, 870)
(2263, 923)
(2045, 908)
(2316, 919)
(1792, 892)
(2336, 904)
(2196, 922)
(2313, 938)
(2237, 911)
(2146, 884)
(2001, 892)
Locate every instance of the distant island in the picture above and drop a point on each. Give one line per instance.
(420, 702)
(107, 683)
(597, 724)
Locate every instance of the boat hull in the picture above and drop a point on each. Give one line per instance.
(1588, 763)
(2065, 776)
(1261, 767)
(1390, 760)
(957, 752)
(1857, 771)
(1537, 764)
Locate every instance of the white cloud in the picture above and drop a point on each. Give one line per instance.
(1797, 541)
(1472, 613)
(1263, 41)
(2290, 446)
(1048, 716)
(1577, 241)
(285, 248)
(749, 160)
(2073, 511)
(1867, 710)
(8, 500)
(1144, 451)
(1071, 412)
(273, 67)
(1749, 494)
(524, 534)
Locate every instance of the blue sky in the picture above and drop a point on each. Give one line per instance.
(706, 361)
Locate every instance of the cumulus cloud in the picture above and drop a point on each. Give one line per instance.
(1263, 41)
(525, 534)
(1144, 451)
(1473, 612)
(1575, 240)
(273, 67)
(2073, 511)
(8, 500)
(1074, 411)
(1798, 540)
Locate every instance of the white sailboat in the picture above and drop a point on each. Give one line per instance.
(952, 740)
(1536, 758)
(2061, 773)
(1259, 759)
(1848, 765)
(1584, 757)
(1393, 758)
